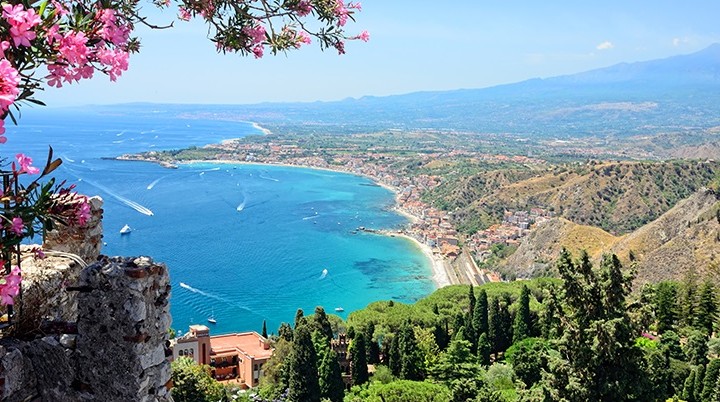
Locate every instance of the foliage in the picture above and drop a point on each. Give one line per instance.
(400, 391)
(193, 383)
(529, 358)
(358, 353)
(303, 368)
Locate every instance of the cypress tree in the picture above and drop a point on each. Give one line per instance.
(480, 315)
(665, 306)
(322, 324)
(494, 326)
(330, 377)
(299, 317)
(521, 327)
(394, 360)
(435, 309)
(458, 323)
(303, 368)
(373, 348)
(410, 356)
(699, 377)
(470, 334)
(471, 301)
(358, 356)
(696, 347)
(285, 332)
(550, 316)
(707, 308)
(264, 330)
(506, 323)
(688, 299)
(441, 335)
(688, 392)
(483, 349)
(711, 377)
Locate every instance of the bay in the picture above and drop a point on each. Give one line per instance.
(244, 243)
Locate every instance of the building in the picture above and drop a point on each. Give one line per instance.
(232, 357)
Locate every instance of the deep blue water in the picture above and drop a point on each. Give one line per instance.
(248, 242)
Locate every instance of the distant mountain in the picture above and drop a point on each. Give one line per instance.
(685, 237)
(676, 94)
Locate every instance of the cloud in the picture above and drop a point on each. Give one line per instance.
(605, 45)
(680, 41)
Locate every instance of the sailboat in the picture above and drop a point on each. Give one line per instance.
(212, 319)
(125, 230)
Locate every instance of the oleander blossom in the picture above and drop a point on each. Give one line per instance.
(26, 164)
(302, 38)
(364, 36)
(9, 81)
(11, 288)
(17, 226)
(22, 22)
(82, 212)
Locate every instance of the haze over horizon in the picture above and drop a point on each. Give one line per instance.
(413, 47)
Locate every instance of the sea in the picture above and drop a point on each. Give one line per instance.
(243, 243)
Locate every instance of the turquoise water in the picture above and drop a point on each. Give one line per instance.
(245, 243)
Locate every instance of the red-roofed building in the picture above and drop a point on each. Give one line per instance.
(237, 357)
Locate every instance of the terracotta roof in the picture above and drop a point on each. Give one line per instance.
(247, 343)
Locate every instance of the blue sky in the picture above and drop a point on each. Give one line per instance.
(415, 46)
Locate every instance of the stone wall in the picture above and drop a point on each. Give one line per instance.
(96, 332)
(85, 241)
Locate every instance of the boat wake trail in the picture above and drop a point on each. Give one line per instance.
(214, 297)
(268, 178)
(310, 217)
(130, 203)
(324, 274)
(151, 185)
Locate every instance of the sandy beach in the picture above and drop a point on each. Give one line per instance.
(440, 275)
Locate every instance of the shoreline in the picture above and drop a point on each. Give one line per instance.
(438, 264)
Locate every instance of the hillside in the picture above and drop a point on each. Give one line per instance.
(617, 197)
(687, 236)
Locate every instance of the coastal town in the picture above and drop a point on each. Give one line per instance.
(456, 258)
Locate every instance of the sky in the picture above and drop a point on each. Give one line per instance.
(415, 45)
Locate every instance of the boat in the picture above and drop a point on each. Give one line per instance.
(211, 318)
(125, 230)
(339, 309)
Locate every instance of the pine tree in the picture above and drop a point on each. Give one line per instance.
(688, 299)
(696, 347)
(373, 348)
(550, 316)
(707, 308)
(264, 330)
(666, 306)
(321, 323)
(299, 317)
(285, 332)
(522, 325)
(599, 360)
(303, 368)
(358, 355)
(330, 377)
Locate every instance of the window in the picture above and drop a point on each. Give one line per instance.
(255, 367)
(180, 353)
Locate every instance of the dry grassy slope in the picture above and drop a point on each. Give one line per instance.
(617, 197)
(535, 255)
(686, 236)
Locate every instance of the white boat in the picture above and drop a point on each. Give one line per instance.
(125, 230)
(339, 309)
(211, 318)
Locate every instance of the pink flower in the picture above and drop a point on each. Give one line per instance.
(17, 226)
(258, 51)
(25, 164)
(11, 288)
(364, 36)
(340, 46)
(356, 6)
(301, 38)
(9, 81)
(184, 14)
(256, 34)
(341, 12)
(303, 8)
(82, 213)
(38, 252)
(3, 139)
(21, 23)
